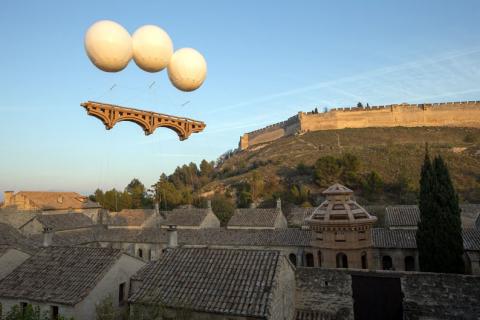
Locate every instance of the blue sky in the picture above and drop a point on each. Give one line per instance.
(267, 60)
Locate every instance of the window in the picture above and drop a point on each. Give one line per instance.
(342, 260)
(149, 254)
(409, 263)
(140, 253)
(309, 260)
(364, 260)
(54, 312)
(339, 236)
(387, 263)
(23, 307)
(319, 254)
(121, 293)
(293, 258)
(320, 235)
(361, 235)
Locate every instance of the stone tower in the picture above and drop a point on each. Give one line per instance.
(342, 230)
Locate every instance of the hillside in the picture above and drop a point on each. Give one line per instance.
(394, 154)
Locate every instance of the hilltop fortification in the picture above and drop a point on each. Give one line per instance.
(448, 114)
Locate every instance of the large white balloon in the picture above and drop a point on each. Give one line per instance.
(108, 45)
(152, 48)
(187, 69)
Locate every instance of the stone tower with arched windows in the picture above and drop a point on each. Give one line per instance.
(342, 231)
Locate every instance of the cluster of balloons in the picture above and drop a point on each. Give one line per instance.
(110, 48)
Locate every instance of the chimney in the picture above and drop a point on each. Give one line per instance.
(279, 203)
(47, 236)
(209, 204)
(7, 198)
(172, 236)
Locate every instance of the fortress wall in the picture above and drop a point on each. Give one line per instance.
(270, 133)
(453, 114)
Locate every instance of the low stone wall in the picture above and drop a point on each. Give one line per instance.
(440, 296)
(327, 291)
(426, 295)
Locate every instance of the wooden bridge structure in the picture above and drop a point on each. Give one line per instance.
(111, 114)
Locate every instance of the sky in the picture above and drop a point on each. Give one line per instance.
(267, 60)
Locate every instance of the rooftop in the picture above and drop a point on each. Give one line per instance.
(241, 283)
(64, 221)
(130, 217)
(63, 275)
(255, 217)
(58, 200)
(186, 217)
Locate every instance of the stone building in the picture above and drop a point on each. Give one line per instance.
(341, 232)
(69, 281)
(189, 218)
(10, 258)
(255, 218)
(59, 222)
(130, 218)
(54, 202)
(218, 284)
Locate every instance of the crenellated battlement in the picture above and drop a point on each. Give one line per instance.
(453, 114)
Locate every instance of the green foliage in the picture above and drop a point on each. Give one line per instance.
(303, 169)
(300, 195)
(439, 234)
(138, 194)
(30, 313)
(105, 309)
(372, 186)
(470, 138)
(223, 207)
(329, 170)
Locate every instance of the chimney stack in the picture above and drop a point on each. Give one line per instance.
(279, 203)
(172, 236)
(47, 236)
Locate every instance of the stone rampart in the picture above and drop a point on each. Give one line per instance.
(451, 114)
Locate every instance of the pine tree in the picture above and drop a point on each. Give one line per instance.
(439, 238)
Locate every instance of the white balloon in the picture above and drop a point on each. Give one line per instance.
(108, 45)
(152, 48)
(187, 69)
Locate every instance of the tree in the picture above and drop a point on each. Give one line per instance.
(256, 185)
(137, 192)
(29, 313)
(372, 185)
(223, 207)
(166, 193)
(105, 310)
(439, 234)
(359, 105)
(327, 170)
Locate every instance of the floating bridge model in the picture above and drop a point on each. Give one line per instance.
(111, 114)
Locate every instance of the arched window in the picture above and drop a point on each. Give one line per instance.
(364, 260)
(409, 263)
(387, 263)
(309, 260)
(140, 253)
(319, 258)
(293, 258)
(342, 260)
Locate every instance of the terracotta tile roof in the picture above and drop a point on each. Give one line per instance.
(402, 216)
(409, 215)
(406, 239)
(16, 218)
(387, 238)
(63, 275)
(65, 221)
(130, 217)
(185, 217)
(297, 216)
(11, 237)
(314, 315)
(232, 282)
(254, 217)
(471, 239)
(58, 200)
